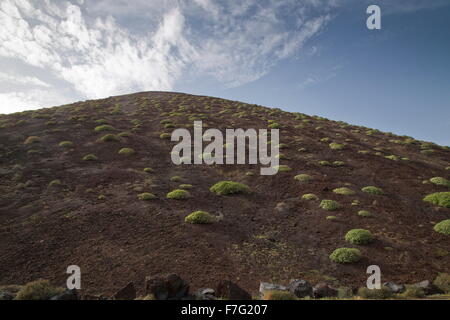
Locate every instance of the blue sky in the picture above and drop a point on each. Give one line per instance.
(311, 56)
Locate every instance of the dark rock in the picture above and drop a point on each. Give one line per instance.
(5, 295)
(171, 287)
(265, 286)
(395, 288)
(67, 295)
(177, 287)
(323, 290)
(126, 293)
(300, 288)
(230, 290)
(427, 287)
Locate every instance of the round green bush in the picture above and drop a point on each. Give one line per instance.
(165, 136)
(90, 157)
(126, 151)
(441, 199)
(185, 186)
(148, 170)
(199, 217)
(359, 236)
(442, 282)
(178, 194)
(364, 213)
(440, 181)
(303, 177)
(325, 163)
(66, 144)
(109, 138)
(443, 227)
(329, 205)
(344, 191)
(336, 146)
(310, 196)
(124, 134)
(283, 168)
(345, 255)
(372, 190)
(32, 139)
(331, 218)
(229, 187)
(146, 196)
(104, 127)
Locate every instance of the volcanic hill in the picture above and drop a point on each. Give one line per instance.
(86, 184)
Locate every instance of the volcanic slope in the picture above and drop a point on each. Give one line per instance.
(68, 196)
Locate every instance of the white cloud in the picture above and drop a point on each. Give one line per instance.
(82, 45)
(16, 79)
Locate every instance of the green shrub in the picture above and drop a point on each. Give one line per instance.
(310, 196)
(440, 181)
(338, 163)
(146, 196)
(325, 163)
(101, 121)
(126, 151)
(331, 218)
(392, 157)
(427, 152)
(66, 144)
(442, 282)
(176, 179)
(345, 293)
(412, 292)
(377, 294)
(344, 191)
(55, 183)
(124, 134)
(441, 199)
(278, 295)
(38, 290)
(229, 187)
(283, 168)
(90, 157)
(104, 127)
(324, 139)
(178, 194)
(345, 255)
(336, 146)
(148, 170)
(109, 138)
(364, 213)
(303, 177)
(372, 190)
(443, 227)
(165, 136)
(274, 126)
(185, 186)
(359, 236)
(330, 205)
(199, 217)
(32, 139)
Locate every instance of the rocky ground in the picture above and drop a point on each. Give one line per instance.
(59, 208)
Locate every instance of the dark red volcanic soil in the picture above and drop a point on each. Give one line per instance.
(120, 238)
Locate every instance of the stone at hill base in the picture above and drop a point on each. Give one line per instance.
(230, 290)
(171, 287)
(126, 293)
(300, 288)
(395, 288)
(323, 290)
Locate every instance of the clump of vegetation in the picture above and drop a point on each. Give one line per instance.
(178, 194)
(364, 213)
(440, 181)
(199, 217)
(66, 144)
(176, 179)
(274, 125)
(344, 191)
(126, 151)
(377, 294)
(105, 127)
(393, 157)
(345, 255)
(443, 227)
(330, 205)
(372, 190)
(165, 136)
(303, 177)
(146, 196)
(325, 163)
(278, 295)
(90, 157)
(359, 236)
(331, 218)
(109, 138)
(55, 183)
(412, 292)
(148, 170)
(32, 140)
(38, 290)
(310, 196)
(442, 282)
(124, 134)
(338, 163)
(229, 187)
(441, 199)
(427, 152)
(336, 146)
(283, 168)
